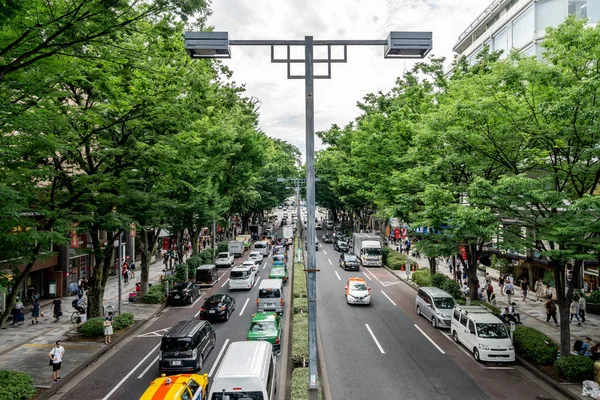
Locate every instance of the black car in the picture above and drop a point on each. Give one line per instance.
(327, 238)
(340, 245)
(349, 261)
(183, 293)
(218, 306)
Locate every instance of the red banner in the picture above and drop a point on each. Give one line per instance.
(397, 233)
(463, 252)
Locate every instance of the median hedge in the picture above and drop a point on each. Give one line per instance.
(533, 345)
(422, 277)
(575, 368)
(156, 295)
(300, 281)
(16, 386)
(94, 327)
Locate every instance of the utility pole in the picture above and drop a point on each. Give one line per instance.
(119, 269)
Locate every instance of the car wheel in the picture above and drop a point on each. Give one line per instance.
(418, 310)
(455, 336)
(476, 354)
(433, 322)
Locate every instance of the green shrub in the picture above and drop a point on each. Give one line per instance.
(438, 279)
(548, 278)
(16, 385)
(396, 260)
(299, 339)
(222, 247)
(422, 277)
(452, 287)
(156, 295)
(533, 345)
(206, 256)
(93, 327)
(575, 368)
(121, 321)
(299, 384)
(299, 281)
(594, 297)
(300, 305)
(384, 254)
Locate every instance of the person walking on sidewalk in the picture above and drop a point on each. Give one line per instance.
(582, 308)
(539, 289)
(574, 311)
(524, 288)
(57, 309)
(509, 291)
(489, 290)
(56, 355)
(501, 284)
(108, 329)
(17, 312)
(35, 312)
(550, 307)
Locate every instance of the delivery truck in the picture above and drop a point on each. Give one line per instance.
(368, 249)
(236, 247)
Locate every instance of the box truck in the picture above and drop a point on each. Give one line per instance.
(368, 249)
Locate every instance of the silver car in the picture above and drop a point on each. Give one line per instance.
(436, 305)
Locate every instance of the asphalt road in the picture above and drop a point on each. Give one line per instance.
(386, 351)
(128, 373)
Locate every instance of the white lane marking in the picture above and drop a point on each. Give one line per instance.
(365, 269)
(375, 339)
(265, 265)
(122, 381)
(430, 339)
(218, 358)
(388, 297)
(368, 277)
(225, 283)
(324, 252)
(459, 345)
(194, 303)
(338, 275)
(245, 304)
(152, 363)
(330, 263)
(256, 283)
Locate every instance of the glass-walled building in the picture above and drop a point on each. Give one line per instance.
(520, 24)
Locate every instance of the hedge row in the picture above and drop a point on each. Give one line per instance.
(94, 327)
(16, 386)
(156, 295)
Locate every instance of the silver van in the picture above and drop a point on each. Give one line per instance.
(270, 296)
(436, 305)
(262, 247)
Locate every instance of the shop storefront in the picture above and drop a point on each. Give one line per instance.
(590, 278)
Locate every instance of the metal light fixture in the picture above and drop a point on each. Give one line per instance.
(408, 44)
(208, 44)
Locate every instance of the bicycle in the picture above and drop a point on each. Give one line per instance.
(76, 316)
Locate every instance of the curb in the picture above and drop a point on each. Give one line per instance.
(539, 374)
(46, 394)
(285, 353)
(324, 380)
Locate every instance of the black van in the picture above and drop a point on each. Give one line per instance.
(186, 345)
(206, 275)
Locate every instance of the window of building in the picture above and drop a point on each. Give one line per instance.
(578, 8)
(523, 29)
(593, 11)
(501, 41)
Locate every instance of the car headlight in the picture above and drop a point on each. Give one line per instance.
(483, 346)
(511, 347)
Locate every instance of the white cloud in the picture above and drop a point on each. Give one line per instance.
(282, 100)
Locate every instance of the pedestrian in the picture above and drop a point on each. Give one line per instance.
(550, 307)
(17, 312)
(489, 290)
(585, 349)
(57, 308)
(493, 301)
(574, 311)
(539, 289)
(56, 355)
(108, 329)
(501, 284)
(488, 280)
(548, 291)
(506, 316)
(513, 311)
(509, 291)
(125, 274)
(582, 308)
(524, 287)
(35, 311)
(511, 280)
(132, 269)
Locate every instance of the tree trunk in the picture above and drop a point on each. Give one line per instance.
(195, 235)
(148, 248)
(432, 265)
(103, 261)
(472, 255)
(563, 298)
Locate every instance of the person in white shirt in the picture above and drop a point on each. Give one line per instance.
(56, 356)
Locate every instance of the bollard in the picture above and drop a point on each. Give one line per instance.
(597, 372)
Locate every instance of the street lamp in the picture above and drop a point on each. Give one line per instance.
(401, 45)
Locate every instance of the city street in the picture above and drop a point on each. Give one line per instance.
(127, 372)
(385, 350)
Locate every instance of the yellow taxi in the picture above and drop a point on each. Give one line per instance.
(177, 387)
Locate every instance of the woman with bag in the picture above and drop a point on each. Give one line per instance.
(108, 329)
(57, 308)
(35, 312)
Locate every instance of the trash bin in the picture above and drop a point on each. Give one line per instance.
(52, 289)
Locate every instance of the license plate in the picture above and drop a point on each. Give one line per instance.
(177, 296)
(211, 311)
(174, 363)
(270, 304)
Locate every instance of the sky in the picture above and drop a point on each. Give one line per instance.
(282, 100)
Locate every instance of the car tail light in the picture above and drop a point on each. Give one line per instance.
(280, 302)
(256, 301)
(223, 308)
(202, 309)
(277, 341)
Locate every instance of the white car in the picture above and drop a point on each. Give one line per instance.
(224, 260)
(255, 264)
(357, 291)
(255, 255)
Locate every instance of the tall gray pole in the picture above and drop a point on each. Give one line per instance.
(313, 385)
(119, 274)
(298, 217)
(214, 244)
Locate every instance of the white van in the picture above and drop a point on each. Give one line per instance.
(270, 296)
(242, 277)
(246, 372)
(482, 333)
(262, 247)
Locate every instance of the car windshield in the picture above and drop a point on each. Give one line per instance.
(444, 303)
(222, 255)
(278, 258)
(268, 294)
(351, 258)
(180, 286)
(260, 246)
(237, 396)
(262, 326)
(359, 286)
(176, 344)
(277, 271)
(492, 331)
(238, 275)
(373, 252)
(254, 255)
(340, 243)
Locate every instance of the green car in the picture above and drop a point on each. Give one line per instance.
(279, 272)
(266, 326)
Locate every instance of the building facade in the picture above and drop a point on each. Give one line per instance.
(520, 25)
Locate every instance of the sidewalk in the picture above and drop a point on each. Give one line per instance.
(25, 347)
